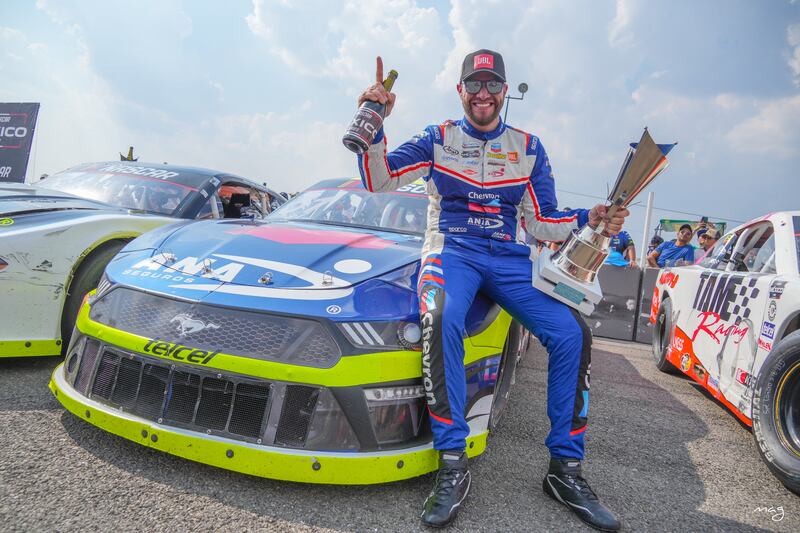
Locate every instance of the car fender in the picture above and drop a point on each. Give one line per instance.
(43, 260)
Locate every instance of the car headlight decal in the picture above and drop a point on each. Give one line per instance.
(397, 335)
(389, 394)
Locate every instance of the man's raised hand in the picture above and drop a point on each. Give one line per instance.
(376, 92)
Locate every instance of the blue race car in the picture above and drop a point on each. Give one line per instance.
(287, 348)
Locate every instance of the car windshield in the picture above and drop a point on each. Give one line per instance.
(402, 212)
(719, 256)
(153, 195)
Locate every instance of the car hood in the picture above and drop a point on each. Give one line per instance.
(20, 198)
(273, 258)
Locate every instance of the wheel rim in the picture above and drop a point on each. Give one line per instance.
(787, 409)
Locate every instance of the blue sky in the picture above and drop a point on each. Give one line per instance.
(265, 89)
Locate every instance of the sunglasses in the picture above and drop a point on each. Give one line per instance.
(474, 86)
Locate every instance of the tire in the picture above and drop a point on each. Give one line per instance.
(85, 279)
(662, 337)
(776, 411)
(512, 353)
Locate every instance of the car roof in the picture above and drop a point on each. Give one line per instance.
(772, 217)
(184, 175)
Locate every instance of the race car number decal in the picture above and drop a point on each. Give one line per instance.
(414, 188)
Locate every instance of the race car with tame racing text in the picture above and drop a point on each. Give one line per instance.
(289, 348)
(56, 237)
(732, 324)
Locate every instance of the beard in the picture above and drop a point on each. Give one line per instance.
(481, 121)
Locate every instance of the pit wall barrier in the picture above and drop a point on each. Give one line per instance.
(624, 311)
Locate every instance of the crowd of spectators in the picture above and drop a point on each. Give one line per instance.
(660, 253)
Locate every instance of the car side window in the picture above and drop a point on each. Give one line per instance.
(756, 254)
(719, 256)
(261, 200)
(240, 201)
(762, 254)
(211, 209)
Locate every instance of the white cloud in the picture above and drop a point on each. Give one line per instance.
(619, 31)
(266, 91)
(219, 88)
(269, 147)
(10, 33)
(772, 132)
(327, 40)
(460, 24)
(793, 35)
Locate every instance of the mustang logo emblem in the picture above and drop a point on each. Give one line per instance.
(188, 325)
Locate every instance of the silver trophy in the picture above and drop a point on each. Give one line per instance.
(570, 274)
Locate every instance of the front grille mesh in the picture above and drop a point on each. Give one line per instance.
(297, 410)
(235, 407)
(248, 334)
(88, 363)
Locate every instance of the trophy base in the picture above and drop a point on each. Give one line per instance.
(552, 281)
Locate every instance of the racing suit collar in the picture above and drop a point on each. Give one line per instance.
(482, 135)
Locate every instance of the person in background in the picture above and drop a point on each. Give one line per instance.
(676, 252)
(622, 251)
(707, 238)
(654, 243)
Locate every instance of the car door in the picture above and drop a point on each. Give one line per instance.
(729, 309)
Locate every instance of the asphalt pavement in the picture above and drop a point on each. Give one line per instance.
(661, 453)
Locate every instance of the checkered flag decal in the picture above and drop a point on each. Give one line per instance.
(746, 293)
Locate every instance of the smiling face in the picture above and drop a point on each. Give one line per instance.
(482, 109)
(684, 236)
(706, 242)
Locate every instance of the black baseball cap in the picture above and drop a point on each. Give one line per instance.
(687, 226)
(483, 61)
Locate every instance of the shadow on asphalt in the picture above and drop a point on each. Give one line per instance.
(23, 383)
(702, 390)
(637, 461)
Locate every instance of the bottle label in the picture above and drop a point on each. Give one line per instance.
(365, 125)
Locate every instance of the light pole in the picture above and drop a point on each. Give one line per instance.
(522, 88)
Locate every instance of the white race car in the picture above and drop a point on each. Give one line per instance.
(55, 242)
(732, 324)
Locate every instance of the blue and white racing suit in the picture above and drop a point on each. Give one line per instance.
(481, 186)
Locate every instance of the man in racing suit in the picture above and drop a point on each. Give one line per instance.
(482, 176)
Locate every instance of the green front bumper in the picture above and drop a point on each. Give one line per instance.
(264, 461)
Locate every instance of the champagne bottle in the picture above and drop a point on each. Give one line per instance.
(368, 120)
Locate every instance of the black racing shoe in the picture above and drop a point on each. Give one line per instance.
(564, 483)
(450, 489)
